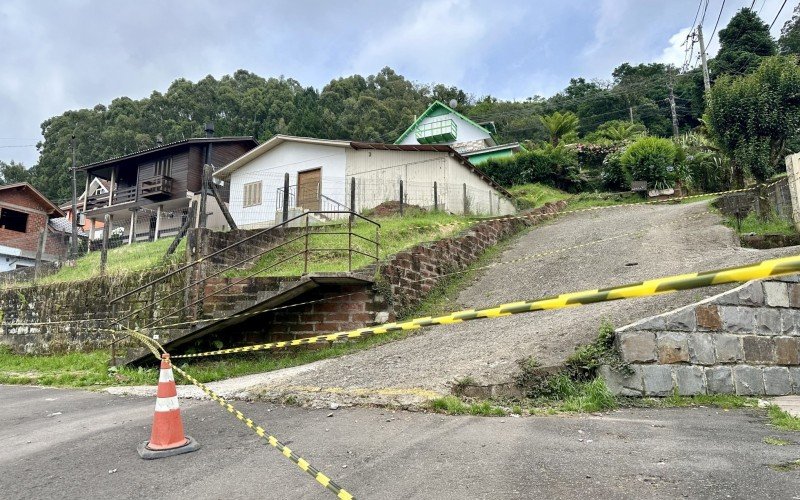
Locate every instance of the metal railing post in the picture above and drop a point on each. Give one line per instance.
(285, 197)
(435, 197)
(401, 197)
(305, 253)
(350, 244)
(352, 196)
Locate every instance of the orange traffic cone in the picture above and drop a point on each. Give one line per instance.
(167, 438)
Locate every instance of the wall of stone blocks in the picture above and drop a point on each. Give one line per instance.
(411, 274)
(745, 341)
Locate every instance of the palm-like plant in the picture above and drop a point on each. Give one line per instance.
(618, 131)
(560, 125)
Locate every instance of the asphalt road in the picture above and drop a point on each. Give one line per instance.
(75, 444)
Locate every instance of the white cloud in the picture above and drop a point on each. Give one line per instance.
(439, 40)
(675, 52)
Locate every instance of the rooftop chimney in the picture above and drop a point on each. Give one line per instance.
(159, 140)
(210, 129)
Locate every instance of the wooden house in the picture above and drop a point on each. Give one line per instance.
(160, 181)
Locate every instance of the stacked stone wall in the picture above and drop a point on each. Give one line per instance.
(745, 341)
(412, 274)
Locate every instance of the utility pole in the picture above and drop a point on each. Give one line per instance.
(674, 113)
(706, 78)
(74, 239)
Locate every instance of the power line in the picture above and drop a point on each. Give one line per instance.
(20, 146)
(702, 19)
(778, 14)
(711, 38)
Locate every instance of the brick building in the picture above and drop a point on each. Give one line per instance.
(24, 214)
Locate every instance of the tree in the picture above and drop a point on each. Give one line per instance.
(13, 172)
(753, 119)
(560, 126)
(650, 159)
(789, 42)
(618, 130)
(742, 45)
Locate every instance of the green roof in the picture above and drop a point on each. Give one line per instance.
(437, 108)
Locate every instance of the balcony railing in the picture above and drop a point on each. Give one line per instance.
(124, 195)
(437, 132)
(155, 186)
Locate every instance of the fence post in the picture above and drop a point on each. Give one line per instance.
(466, 202)
(401, 197)
(104, 250)
(39, 251)
(350, 244)
(352, 196)
(285, 215)
(435, 197)
(305, 264)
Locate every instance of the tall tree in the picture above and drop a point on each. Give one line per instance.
(742, 45)
(789, 42)
(754, 118)
(13, 172)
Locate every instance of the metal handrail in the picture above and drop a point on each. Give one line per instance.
(206, 257)
(310, 231)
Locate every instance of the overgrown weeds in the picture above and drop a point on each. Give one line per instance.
(782, 419)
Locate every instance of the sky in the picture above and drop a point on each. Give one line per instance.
(75, 54)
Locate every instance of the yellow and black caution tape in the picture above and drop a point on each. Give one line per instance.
(321, 478)
(272, 440)
(765, 269)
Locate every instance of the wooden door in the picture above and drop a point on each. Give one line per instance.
(309, 187)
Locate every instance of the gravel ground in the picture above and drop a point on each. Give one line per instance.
(674, 239)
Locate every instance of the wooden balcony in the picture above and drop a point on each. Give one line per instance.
(157, 185)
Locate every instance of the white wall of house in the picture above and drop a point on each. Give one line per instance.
(465, 130)
(269, 168)
(378, 172)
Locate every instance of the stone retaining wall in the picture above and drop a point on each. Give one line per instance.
(412, 274)
(744, 341)
(50, 318)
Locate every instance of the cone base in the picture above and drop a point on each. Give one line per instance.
(148, 454)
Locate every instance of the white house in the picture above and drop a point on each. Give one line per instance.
(321, 174)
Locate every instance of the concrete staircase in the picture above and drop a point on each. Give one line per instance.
(229, 303)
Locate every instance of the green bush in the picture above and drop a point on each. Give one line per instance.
(709, 172)
(614, 175)
(554, 166)
(651, 159)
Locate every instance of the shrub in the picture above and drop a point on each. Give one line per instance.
(709, 172)
(554, 166)
(651, 159)
(614, 175)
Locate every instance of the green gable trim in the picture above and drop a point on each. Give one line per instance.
(437, 108)
(481, 158)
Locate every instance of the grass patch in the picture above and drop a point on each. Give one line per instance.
(782, 419)
(535, 195)
(752, 224)
(589, 200)
(560, 393)
(584, 362)
(396, 233)
(786, 467)
(724, 401)
(91, 369)
(776, 441)
(132, 258)
(451, 405)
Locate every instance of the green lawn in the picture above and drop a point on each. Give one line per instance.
(125, 259)
(589, 200)
(330, 250)
(536, 195)
(754, 224)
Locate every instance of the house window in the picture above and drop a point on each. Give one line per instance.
(163, 166)
(252, 194)
(13, 220)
